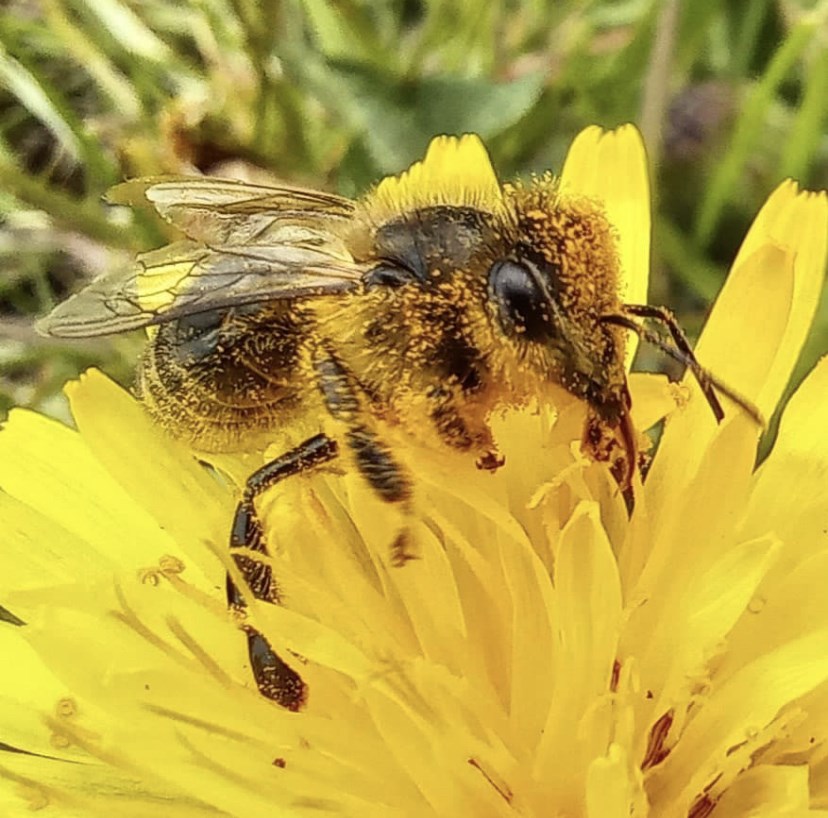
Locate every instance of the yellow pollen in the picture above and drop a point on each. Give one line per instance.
(66, 708)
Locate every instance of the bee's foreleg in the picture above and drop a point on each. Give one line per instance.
(274, 677)
(455, 431)
(374, 460)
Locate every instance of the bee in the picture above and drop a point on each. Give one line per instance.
(438, 298)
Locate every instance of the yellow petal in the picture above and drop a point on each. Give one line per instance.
(455, 171)
(39, 552)
(768, 790)
(609, 788)
(792, 598)
(730, 727)
(754, 334)
(159, 473)
(534, 606)
(795, 475)
(30, 689)
(611, 167)
(46, 786)
(41, 459)
(791, 231)
(653, 398)
(667, 536)
(588, 608)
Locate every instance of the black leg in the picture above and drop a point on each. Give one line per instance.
(455, 432)
(374, 460)
(665, 317)
(275, 679)
(377, 465)
(682, 351)
(452, 429)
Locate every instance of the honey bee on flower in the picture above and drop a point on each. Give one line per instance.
(439, 298)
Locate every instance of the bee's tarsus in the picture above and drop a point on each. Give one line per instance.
(247, 530)
(275, 679)
(7, 616)
(490, 461)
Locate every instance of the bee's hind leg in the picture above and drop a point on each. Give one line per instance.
(275, 679)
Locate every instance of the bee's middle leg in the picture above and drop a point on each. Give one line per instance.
(374, 460)
(275, 679)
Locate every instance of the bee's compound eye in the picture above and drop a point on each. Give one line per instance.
(521, 306)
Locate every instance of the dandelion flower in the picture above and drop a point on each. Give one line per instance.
(547, 654)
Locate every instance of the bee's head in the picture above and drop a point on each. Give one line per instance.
(547, 271)
(548, 291)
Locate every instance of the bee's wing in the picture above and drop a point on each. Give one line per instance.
(228, 211)
(246, 244)
(189, 277)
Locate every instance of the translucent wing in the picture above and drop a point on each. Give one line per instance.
(222, 210)
(246, 244)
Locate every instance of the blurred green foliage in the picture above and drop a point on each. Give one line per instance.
(732, 97)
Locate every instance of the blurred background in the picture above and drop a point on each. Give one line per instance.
(732, 97)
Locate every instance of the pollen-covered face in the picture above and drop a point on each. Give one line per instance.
(559, 278)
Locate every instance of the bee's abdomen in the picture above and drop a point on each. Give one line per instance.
(223, 380)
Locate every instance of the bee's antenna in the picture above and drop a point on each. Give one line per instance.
(681, 351)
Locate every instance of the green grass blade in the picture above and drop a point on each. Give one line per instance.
(40, 104)
(127, 28)
(87, 217)
(694, 269)
(108, 78)
(809, 125)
